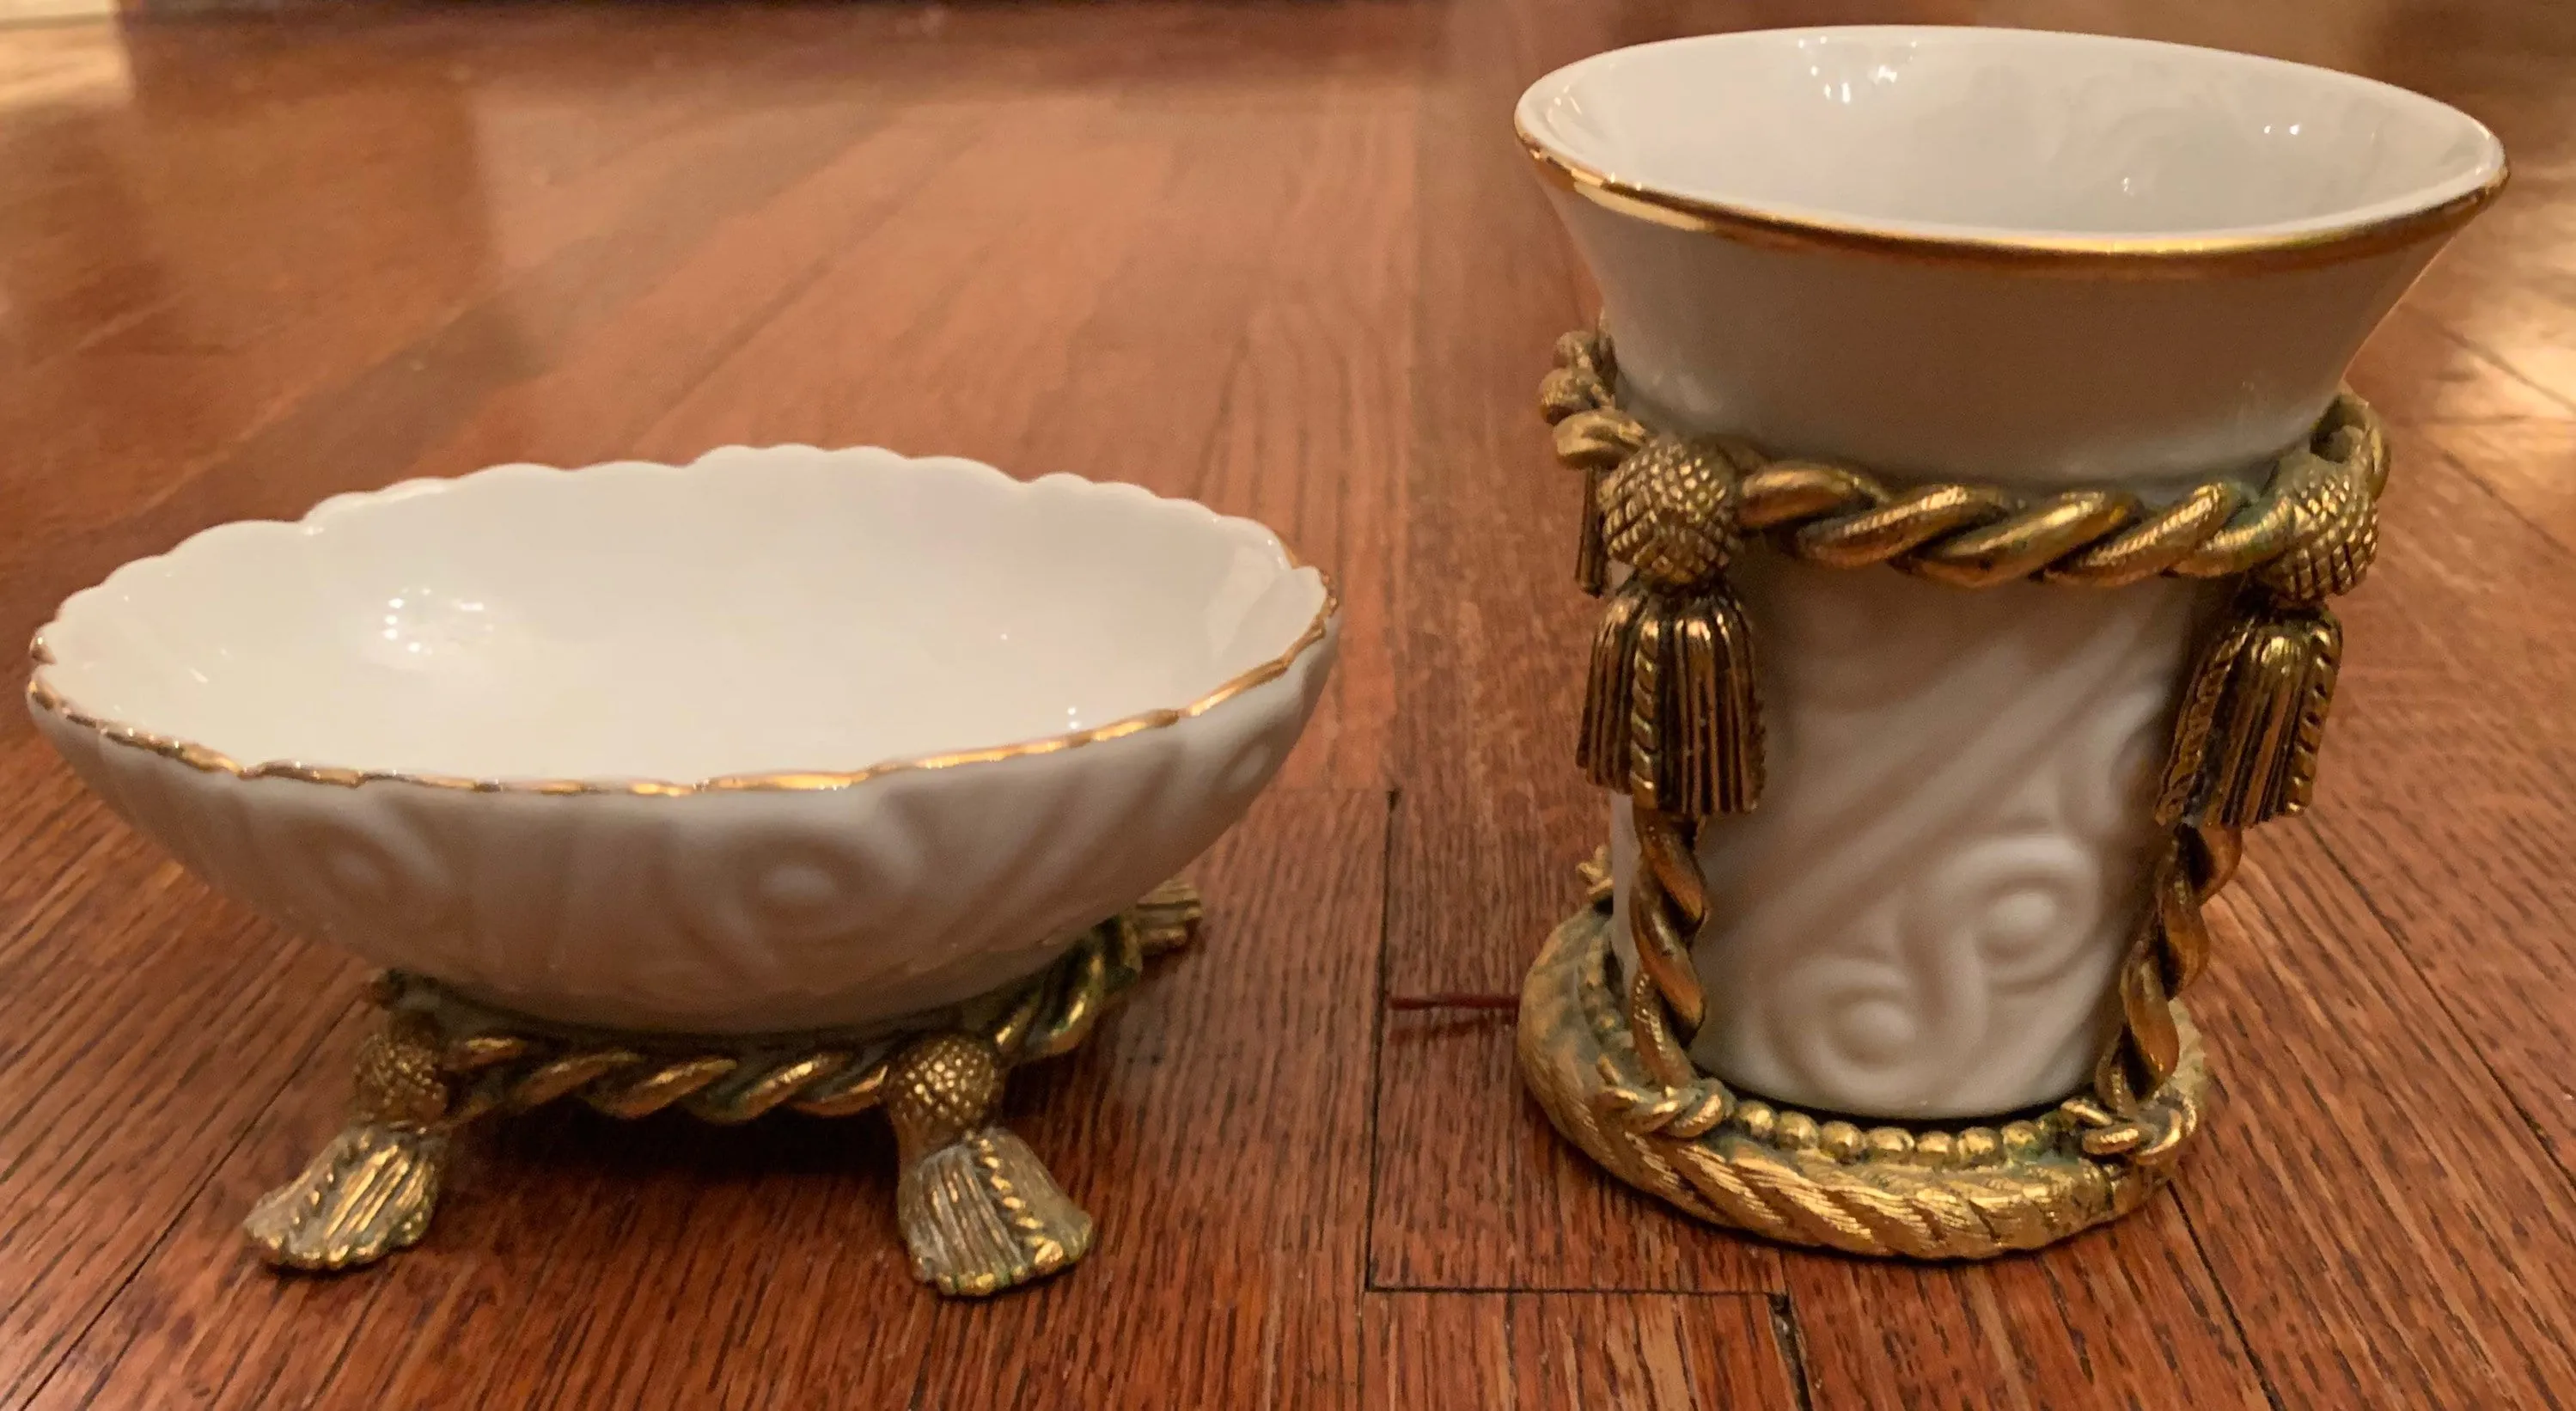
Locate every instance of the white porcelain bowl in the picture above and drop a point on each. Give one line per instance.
(781, 739)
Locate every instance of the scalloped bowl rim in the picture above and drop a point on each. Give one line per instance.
(45, 697)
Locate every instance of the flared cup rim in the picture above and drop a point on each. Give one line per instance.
(2414, 217)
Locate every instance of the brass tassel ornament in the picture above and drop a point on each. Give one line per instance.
(979, 1212)
(1591, 552)
(1593, 435)
(1671, 714)
(1684, 665)
(2254, 714)
(2245, 748)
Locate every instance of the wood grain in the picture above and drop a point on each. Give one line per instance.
(147, 1024)
(1476, 1191)
(2129, 1316)
(2528, 464)
(1482, 839)
(2379, 1151)
(1569, 1352)
(666, 1263)
(1284, 258)
(2448, 819)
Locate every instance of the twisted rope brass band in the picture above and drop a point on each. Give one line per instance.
(522, 1066)
(1674, 508)
(1975, 536)
(1921, 1192)
(1670, 902)
(979, 1211)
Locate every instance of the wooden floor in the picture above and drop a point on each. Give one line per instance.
(1282, 257)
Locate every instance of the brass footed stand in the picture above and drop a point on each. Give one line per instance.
(1923, 1192)
(1673, 719)
(979, 1212)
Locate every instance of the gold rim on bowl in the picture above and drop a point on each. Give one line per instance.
(44, 697)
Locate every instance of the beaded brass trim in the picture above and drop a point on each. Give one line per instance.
(1920, 1192)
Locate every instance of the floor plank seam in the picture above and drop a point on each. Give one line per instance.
(1377, 1052)
(1601, 1290)
(741, 337)
(920, 1387)
(1793, 1349)
(2441, 1001)
(2227, 1304)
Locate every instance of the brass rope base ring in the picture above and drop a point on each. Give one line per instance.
(979, 1212)
(1918, 1192)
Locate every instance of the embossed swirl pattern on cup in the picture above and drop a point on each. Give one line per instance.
(1918, 914)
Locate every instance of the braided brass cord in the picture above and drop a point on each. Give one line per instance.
(2306, 533)
(514, 1072)
(1975, 536)
(1667, 902)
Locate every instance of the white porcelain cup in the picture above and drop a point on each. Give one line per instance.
(1995, 255)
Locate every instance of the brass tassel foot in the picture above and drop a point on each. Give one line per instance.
(982, 1215)
(1165, 919)
(367, 1195)
(372, 1189)
(979, 1211)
